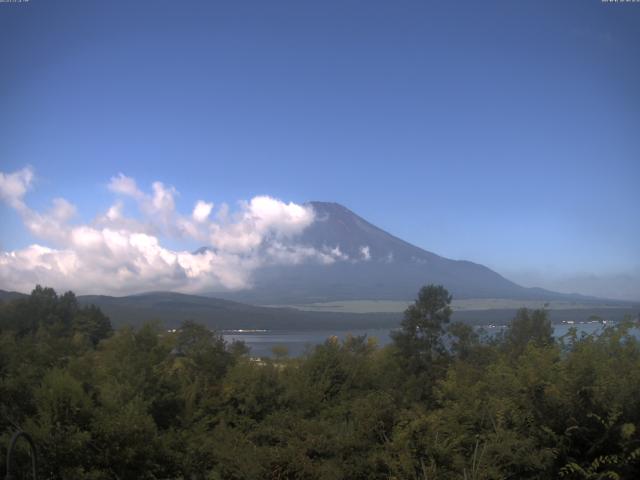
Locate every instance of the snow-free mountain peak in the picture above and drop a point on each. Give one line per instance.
(371, 264)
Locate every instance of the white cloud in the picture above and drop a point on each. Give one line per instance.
(62, 210)
(260, 220)
(158, 209)
(365, 252)
(336, 253)
(105, 261)
(162, 200)
(125, 186)
(119, 254)
(114, 212)
(223, 213)
(13, 186)
(101, 260)
(270, 214)
(201, 211)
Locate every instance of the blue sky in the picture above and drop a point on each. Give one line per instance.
(504, 132)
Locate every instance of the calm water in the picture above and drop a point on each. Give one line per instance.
(298, 341)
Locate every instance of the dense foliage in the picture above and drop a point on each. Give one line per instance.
(438, 403)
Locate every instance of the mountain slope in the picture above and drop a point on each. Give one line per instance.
(377, 265)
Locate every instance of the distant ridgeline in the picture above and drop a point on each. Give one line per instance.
(171, 309)
(437, 402)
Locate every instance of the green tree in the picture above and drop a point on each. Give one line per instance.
(420, 341)
(529, 327)
(61, 425)
(464, 339)
(90, 321)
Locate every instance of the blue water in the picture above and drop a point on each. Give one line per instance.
(297, 342)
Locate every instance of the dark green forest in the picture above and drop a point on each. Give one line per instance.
(440, 402)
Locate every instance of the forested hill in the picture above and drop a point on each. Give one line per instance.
(172, 308)
(6, 296)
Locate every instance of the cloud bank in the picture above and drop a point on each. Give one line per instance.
(120, 254)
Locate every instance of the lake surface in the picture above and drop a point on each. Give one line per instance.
(297, 342)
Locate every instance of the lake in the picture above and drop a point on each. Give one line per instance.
(297, 341)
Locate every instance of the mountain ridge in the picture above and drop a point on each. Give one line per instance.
(173, 308)
(376, 265)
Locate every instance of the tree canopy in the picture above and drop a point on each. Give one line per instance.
(440, 401)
